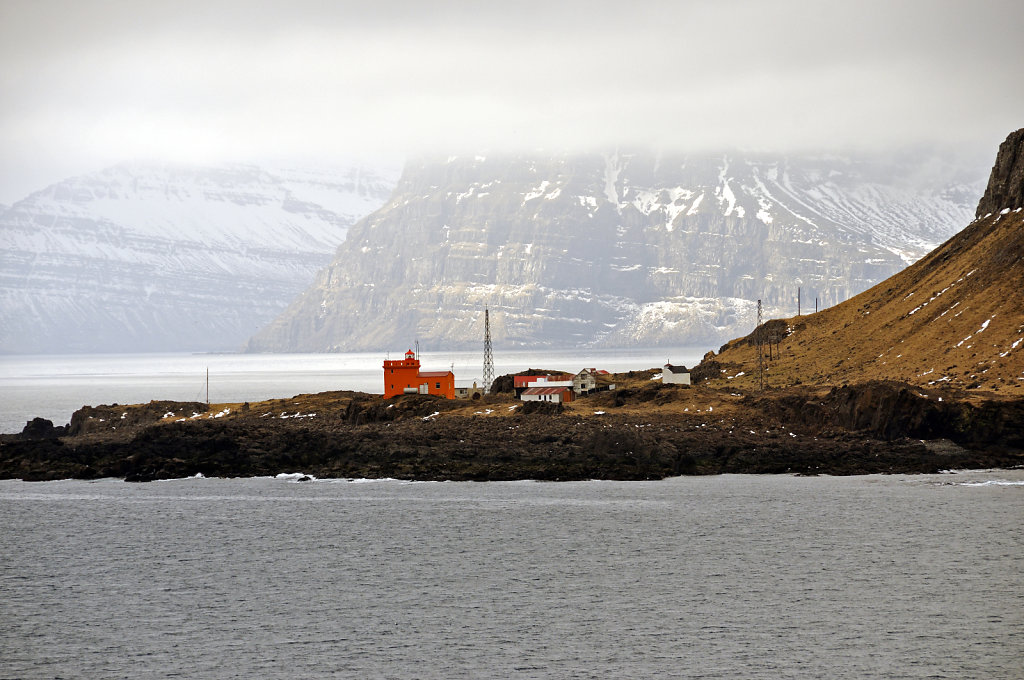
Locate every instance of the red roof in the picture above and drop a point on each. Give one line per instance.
(545, 390)
(434, 374)
(524, 380)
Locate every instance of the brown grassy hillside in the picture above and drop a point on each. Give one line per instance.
(955, 318)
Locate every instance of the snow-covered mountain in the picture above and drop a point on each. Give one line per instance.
(621, 249)
(164, 258)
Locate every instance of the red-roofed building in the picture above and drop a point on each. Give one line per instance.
(405, 377)
(521, 382)
(558, 395)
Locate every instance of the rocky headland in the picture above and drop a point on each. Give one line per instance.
(643, 430)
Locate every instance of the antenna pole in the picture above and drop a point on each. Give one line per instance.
(207, 385)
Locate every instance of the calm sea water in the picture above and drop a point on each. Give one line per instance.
(54, 387)
(722, 577)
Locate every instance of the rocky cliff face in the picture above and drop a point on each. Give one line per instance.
(1005, 188)
(620, 249)
(153, 258)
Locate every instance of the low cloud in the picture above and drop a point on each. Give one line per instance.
(85, 84)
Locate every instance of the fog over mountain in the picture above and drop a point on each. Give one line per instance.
(86, 85)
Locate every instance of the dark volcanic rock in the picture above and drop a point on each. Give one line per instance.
(889, 411)
(1006, 183)
(103, 418)
(644, 434)
(41, 428)
(374, 409)
(541, 407)
(707, 369)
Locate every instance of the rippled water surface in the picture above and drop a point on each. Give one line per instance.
(721, 577)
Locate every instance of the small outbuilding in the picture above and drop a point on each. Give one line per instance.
(675, 375)
(467, 391)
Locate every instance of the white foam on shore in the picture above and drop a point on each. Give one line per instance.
(295, 476)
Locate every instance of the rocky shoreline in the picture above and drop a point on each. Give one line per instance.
(644, 431)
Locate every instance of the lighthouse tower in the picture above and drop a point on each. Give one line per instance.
(404, 376)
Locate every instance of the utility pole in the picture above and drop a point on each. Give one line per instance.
(798, 300)
(488, 354)
(760, 350)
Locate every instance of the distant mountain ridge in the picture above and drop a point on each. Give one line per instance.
(144, 258)
(620, 249)
(952, 319)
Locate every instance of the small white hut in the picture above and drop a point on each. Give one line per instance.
(675, 375)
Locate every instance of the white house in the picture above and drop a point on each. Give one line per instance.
(545, 382)
(586, 381)
(675, 375)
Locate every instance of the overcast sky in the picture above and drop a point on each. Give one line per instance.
(86, 84)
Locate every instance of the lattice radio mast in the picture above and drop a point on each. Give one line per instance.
(488, 354)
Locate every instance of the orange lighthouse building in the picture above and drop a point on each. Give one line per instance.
(405, 377)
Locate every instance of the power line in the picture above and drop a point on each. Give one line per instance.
(760, 350)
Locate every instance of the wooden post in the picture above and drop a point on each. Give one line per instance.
(760, 350)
